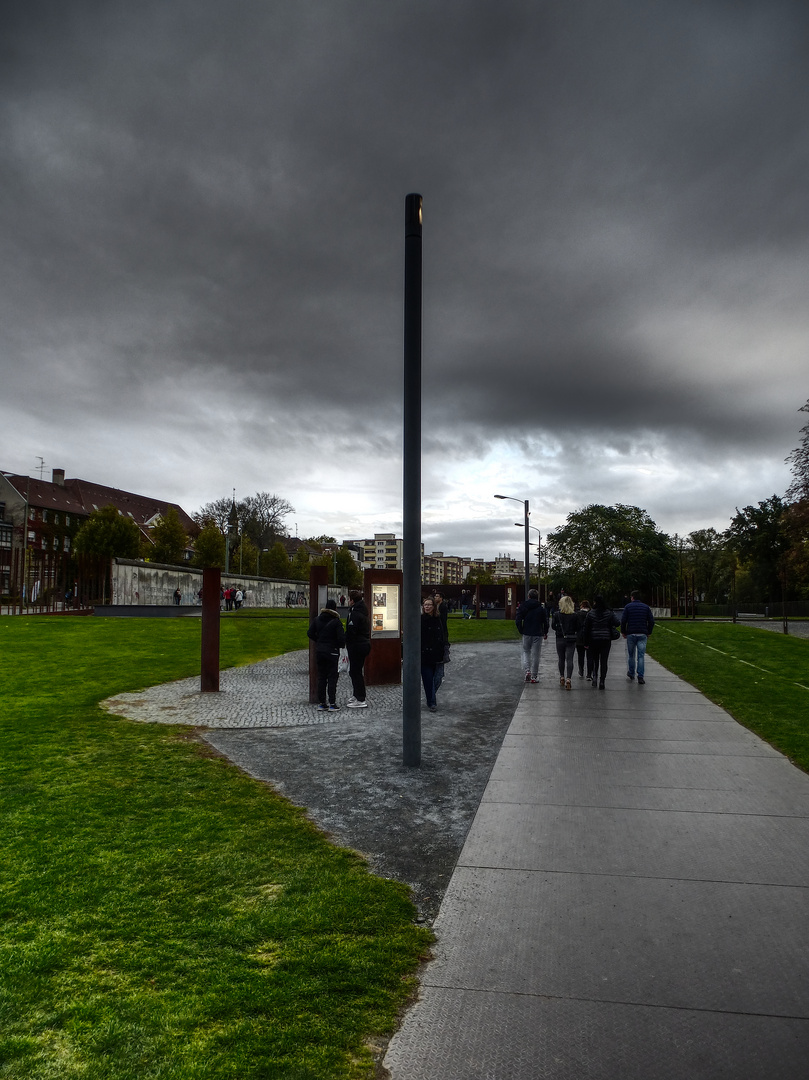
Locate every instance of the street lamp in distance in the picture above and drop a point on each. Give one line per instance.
(520, 525)
(525, 504)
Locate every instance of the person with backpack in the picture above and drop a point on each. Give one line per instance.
(566, 626)
(326, 630)
(601, 627)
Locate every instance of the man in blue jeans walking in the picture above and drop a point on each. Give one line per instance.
(637, 623)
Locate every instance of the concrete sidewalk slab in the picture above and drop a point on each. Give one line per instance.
(631, 900)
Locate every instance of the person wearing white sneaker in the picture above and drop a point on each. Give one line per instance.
(358, 645)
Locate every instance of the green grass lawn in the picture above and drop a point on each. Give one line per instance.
(163, 915)
(482, 629)
(760, 677)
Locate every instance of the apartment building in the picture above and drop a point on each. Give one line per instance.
(384, 552)
(440, 569)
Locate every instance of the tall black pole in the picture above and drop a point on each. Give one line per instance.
(411, 488)
(527, 572)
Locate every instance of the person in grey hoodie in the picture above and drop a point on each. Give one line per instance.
(326, 630)
(532, 623)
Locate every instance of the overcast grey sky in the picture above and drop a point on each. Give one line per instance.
(202, 228)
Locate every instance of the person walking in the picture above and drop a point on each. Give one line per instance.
(566, 626)
(326, 630)
(582, 652)
(432, 649)
(599, 625)
(532, 623)
(177, 596)
(637, 623)
(358, 644)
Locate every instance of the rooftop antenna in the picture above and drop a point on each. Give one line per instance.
(41, 466)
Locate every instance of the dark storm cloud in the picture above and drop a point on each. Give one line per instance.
(201, 217)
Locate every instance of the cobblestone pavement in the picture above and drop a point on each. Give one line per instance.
(272, 693)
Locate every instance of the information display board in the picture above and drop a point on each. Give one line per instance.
(385, 611)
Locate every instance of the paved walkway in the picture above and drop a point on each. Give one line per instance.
(631, 902)
(632, 898)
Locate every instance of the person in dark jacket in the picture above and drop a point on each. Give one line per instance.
(598, 637)
(326, 630)
(532, 623)
(566, 626)
(358, 644)
(442, 609)
(637, 623)
(582, 652)
(432, 649)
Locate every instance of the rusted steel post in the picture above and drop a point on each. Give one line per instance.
(211, 585)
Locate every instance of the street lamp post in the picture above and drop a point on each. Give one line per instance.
(520, 525)
(411, 487)
(525, 503)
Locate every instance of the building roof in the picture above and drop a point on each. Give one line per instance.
(83, 497)
(46, 495)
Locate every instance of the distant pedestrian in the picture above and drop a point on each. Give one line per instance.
(566, 626)
(177, 596)
(532, 623)
(582, 652)
(238, 596)
(637, 623)
(432, 649)
(599, 626)
(326, 630)
(358, 644)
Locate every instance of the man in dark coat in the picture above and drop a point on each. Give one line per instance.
(637, 622)
(532, 622)
(358, 644)
(326, 630)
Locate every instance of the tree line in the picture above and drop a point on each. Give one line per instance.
(760, 558)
